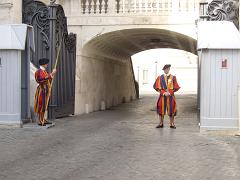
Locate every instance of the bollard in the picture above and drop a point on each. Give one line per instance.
(103, 106)
(86, 109)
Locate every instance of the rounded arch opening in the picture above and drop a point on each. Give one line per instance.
(106, 76)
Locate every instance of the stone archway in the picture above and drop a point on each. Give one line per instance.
(104, 69)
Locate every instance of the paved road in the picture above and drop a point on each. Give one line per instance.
(120, 144)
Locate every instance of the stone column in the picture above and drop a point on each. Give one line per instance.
(11, 12)
(17, 12)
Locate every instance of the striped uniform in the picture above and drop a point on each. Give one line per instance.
(166, 103)
(43, 79)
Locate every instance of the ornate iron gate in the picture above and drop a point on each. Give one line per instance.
(50, 25)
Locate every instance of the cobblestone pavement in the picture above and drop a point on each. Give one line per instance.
(120, 144)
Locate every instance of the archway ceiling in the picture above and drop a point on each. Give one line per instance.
(124, 43)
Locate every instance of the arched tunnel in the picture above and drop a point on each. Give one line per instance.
(104, 70)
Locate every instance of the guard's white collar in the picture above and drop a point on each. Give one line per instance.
(42, 68)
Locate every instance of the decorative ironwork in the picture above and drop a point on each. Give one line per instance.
(35, 12)
(219, 10)
(70, 42)
(61, 25)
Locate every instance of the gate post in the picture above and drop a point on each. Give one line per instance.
(52, 56)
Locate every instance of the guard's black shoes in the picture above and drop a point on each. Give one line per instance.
(47, 122)
(159, 126)
(42, 124)
(173, 127)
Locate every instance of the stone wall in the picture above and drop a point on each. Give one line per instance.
(102, 83)
(11, 11)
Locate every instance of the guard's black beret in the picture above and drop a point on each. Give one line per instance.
(43, 61)
(166, 66)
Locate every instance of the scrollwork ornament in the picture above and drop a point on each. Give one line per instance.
(61, 24)
(70, 42)
(35, 12)
(220, 10)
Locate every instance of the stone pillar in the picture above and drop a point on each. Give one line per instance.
(11, 11)
(17, 12)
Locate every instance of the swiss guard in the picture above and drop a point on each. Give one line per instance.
(43, 79)
(166, 85)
